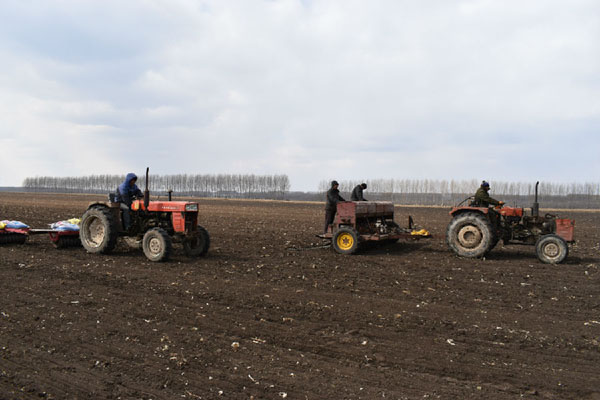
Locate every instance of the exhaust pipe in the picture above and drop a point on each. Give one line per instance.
(146, 191)
(535, 209)
(170, 194)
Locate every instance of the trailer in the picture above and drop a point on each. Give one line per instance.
(13, 235)
(59, 238)
(359, 222)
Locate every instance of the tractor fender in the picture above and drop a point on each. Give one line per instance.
(100, 204)
(459, 210)
(114, 208)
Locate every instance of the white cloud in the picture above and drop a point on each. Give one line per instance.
(313, 89)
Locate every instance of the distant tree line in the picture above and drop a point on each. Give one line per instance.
(399, 191)
(220, 185)
(450, 192)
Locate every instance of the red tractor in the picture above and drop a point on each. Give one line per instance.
(475, 230)
(156, 224)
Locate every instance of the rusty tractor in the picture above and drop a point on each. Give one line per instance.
(359, 222)
(154, 224)
(474, 230)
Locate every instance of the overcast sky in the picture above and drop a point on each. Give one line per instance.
(315, 89)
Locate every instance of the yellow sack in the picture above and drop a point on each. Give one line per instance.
(422, 232)
(2, 225)
(74, 221)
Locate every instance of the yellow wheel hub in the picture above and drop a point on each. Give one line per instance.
(345, 241)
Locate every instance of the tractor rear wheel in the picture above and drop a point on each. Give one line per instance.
(470, 235)
(197, 245)
(157, 245)
(345, 241)
(98, 230)
(551, 249)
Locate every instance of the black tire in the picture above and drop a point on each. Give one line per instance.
(494, 241)
(157, 245)
(470, 235)
(345, 241)
(98, 231)
(551, 249)
(198, 245)
(495, 232)
(13, 238)
(67, 241)
(20, 238)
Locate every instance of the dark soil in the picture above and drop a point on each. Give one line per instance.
(271, 314)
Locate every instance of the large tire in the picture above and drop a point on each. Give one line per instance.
(470, 235)
(98, 230)
(198, 245)
(551, 249)
(157, 245)
(345, 241)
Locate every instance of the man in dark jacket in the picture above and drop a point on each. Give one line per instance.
(482, 197)
(357, 192)
(126, 192)
(333, 197)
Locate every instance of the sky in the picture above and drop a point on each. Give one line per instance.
(315, 89)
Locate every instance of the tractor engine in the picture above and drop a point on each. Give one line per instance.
(525, 228)
(143, 221)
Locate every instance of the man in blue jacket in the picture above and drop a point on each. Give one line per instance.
(126, 192)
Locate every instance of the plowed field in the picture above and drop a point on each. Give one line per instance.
(269, 314)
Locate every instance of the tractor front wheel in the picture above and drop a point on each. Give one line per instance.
(470, 235)
(198, 245)
(551, 249)
(345, 241)
(157, 245)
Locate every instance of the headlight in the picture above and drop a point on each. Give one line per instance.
(191, 207)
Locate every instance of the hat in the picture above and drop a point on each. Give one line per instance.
(485, 184)
(333, 183)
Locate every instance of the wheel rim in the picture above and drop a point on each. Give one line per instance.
(345, 241)
(469, 237)
(551, 250)
(155, 246)
(95, 232)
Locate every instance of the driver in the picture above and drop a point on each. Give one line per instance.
(126, 192)
(483, 199)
